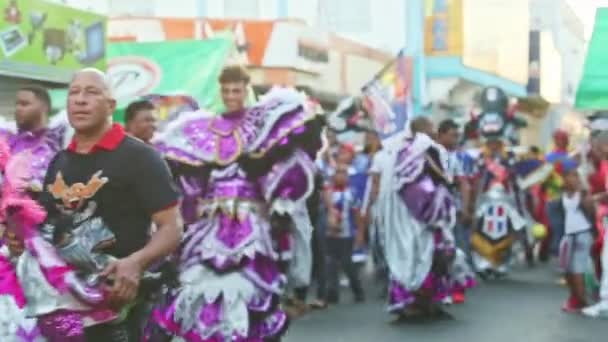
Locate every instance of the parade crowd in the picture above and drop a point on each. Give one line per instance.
(219, 227)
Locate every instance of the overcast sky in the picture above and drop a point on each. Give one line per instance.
(586, 11)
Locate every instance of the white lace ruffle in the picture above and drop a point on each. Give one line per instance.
(14, 323)
(202, 286)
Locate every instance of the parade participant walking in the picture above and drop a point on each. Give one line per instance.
(317, 210)
(98, 219)
(36, 141)
(448, 136)
(548, 191)
(416, 211)
(499, 209)
(33, 133)
(247, 171)
(344, 234)
(461, 276)
(325, 163)
(140, 120)
(597, 166)
(600, 309)
(307, 257)
(576, 214)
(379, 194)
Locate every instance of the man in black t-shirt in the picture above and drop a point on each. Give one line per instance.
(114, 182)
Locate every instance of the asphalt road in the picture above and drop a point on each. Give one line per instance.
(522, 308)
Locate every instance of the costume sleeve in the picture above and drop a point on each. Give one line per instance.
(45, 199)
(57, 137)
(8, 128)
(460, 170)
(60, 130)
(282, 118)
(191, 184)
(289, 182)
(421, 182)
(187, 140)
(41, 158)
(376, 164)
(153, 183)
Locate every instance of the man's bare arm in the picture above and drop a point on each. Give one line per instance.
(126, 273)
(165, 240)
(465, 191)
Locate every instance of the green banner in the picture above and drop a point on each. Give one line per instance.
(46, 41)
(593, 89)
(169, 68)
(188, 68)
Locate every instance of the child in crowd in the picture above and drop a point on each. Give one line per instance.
(345, 232)
(576, 212)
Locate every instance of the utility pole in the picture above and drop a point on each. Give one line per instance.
(201, 8)
(282, 9)
(414, 48)
(201, 13)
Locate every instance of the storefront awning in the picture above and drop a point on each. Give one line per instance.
(450, 67)
(533, 105)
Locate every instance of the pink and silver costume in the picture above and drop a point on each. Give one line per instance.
(35, 150)
(243, 176)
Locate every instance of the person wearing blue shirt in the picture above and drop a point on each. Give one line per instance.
(344, 234)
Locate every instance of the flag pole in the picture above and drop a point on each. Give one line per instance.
(414, 48)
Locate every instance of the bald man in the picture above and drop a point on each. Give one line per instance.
(422, 125)
(107, 178)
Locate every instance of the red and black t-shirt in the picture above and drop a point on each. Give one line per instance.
(121, 182)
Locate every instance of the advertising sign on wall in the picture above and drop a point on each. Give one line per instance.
(169, 68)
(443, 28)
(173, 75)
(45, 41)
(496, 35)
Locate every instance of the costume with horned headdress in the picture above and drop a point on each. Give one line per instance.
(500, 211)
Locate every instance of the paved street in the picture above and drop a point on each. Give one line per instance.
(525, 307)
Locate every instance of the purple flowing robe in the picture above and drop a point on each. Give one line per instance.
(418, 219)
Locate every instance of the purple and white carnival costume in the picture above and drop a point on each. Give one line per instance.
(38, 148)
(417, 215)
(242, 174)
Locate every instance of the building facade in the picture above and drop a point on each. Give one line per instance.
(365, 21)
(284, 52)
(560, 47)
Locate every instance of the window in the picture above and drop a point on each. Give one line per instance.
(312, 52)
(241, 8)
